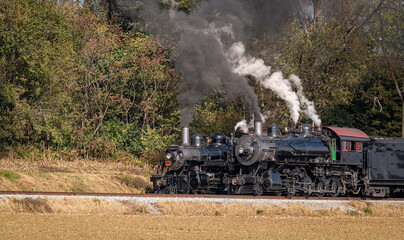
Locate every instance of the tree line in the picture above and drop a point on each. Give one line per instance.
(79, 80)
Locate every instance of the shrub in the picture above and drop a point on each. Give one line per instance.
(80, 187)
(368, 210)
(137, 182)
(11, 176)
(33, 205)
(153, 145)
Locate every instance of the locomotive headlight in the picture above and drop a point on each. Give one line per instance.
(169, 156)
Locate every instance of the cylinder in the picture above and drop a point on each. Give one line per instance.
(258, 128)
(185, 136)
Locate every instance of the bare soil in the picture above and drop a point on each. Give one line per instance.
(90, 218)
(51, 226)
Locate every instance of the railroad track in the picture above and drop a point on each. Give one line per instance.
(152, 195)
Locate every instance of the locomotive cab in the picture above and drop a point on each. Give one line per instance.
(347, 145)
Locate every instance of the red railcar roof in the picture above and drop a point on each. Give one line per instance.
(349, 132)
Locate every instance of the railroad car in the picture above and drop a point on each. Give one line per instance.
(321, 161)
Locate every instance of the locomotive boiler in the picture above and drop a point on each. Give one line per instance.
(307, 161)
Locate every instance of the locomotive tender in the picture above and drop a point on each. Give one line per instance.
(329, 161)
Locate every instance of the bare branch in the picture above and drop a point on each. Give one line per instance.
(376, 100)
(389, 65)
(301, 16)
(366, 18)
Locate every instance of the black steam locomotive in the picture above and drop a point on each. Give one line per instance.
(329, 161)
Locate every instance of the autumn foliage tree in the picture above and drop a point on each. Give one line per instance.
(75, 83)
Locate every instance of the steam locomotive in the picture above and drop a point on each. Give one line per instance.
(322, 161)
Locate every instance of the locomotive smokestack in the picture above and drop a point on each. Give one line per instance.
(258, 127)
(185, 136)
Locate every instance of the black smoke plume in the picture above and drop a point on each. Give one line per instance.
(201, 41)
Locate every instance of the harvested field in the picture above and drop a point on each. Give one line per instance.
(51, 226)
(92, 218)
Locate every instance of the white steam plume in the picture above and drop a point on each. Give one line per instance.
(242, 125)
(296, 101)
(307, 106)
(283, 89)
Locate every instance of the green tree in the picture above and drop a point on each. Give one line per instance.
(36, 52)
(388, 33)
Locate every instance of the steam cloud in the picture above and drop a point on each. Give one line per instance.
(242, 125)
(211, 56)
(306, 105)
(295, 100)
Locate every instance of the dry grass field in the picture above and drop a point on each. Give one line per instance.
(71, 166)
(90, 218)
(71, 176)
(73, 182)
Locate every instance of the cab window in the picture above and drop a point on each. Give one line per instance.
(346, 146)
(358, 146)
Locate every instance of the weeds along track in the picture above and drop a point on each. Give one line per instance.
(193, 196)
(193, 205)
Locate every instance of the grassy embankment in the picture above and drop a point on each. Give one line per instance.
(72, 176)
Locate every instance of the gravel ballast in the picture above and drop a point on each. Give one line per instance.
(343, 205)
